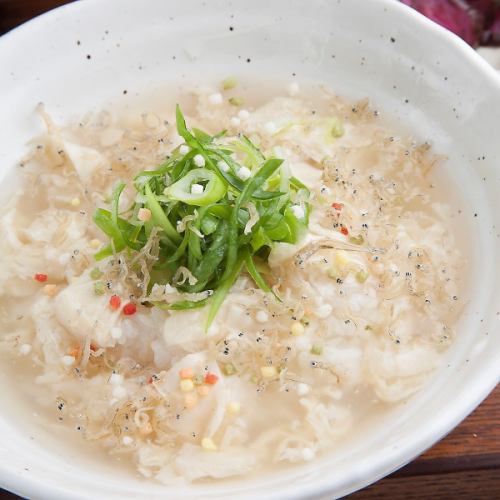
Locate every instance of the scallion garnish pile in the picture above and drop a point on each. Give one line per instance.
(217, 206)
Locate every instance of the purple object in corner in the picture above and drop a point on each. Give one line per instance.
(455, 15)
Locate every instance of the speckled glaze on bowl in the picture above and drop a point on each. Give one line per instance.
(84, 55)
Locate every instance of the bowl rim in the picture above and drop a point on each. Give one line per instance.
(456, 411)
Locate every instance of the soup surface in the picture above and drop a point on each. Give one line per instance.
(348, 312)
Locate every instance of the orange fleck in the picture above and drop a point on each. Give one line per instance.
(75, 352)
(115, 302)
(211, 378)
(129, 309)
(186, 373)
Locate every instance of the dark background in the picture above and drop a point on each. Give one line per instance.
(15, 12)
(464, 466)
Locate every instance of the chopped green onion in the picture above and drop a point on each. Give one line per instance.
(254, 273)
(213, 191)
(229, 369)
(245, 145)
(356, 240)
(229, 83)
(105, 252)
(336, 127)
(269, 167)
(236, 101)
(159, 217)
(361, 276)
(96, 273)
(203, 137)
(200, 209)
(221, 292)
(182, 305)
(208, 224)
(317, 349)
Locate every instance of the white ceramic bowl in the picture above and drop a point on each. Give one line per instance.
(426, 79)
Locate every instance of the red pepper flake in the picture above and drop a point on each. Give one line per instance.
(344, 230)
(129, 309)
(338, 206)
(115, 302)
(93, 347)
(150, 379)
(42, 278)
(211, 378)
